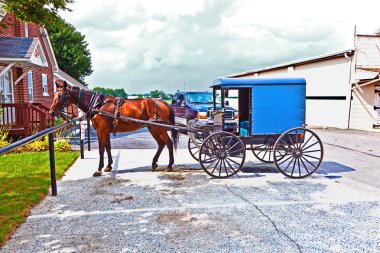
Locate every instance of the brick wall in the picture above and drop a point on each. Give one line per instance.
(16, 28)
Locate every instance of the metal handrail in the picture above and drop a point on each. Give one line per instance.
(38, 135)
(33, 137)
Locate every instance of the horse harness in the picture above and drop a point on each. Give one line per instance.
(98, 100)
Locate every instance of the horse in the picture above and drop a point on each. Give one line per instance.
(147, 109)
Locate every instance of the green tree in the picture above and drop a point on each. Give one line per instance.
(70, 48)
(120, 93)
(111, 92)
(157, 94)
(99, 89)
(40, 12)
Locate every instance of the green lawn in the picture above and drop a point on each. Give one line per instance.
(24, 181)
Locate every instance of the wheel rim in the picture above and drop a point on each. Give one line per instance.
(298, 153)
(263, 153)
(222, 155)
(193, 149)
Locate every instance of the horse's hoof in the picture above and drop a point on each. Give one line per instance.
(97, 173)
(154, 166)
(108, 169)
(169, 169)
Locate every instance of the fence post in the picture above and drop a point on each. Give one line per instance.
(81, 131)
(52, 165)
(88, 135)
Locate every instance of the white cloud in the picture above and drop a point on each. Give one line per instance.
(147, 44)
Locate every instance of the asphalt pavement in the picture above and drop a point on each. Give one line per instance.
(132, 209)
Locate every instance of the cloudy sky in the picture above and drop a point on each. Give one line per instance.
(142, 45)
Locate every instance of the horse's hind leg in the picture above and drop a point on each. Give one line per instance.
(102, 139)
(161, 146)
(169, 143)
(108, 150)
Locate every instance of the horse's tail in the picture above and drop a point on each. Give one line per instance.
(175, 133)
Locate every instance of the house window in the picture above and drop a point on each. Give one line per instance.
(26, 29)
(6, 89)
(30, 85)
(45, 85)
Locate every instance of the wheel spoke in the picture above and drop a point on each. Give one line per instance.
(266, 151)
(211, 159)
(307, 141)
(304, 165)
(289, 164)
(220, 167)
(225, 167)
(232, 146)
(216, 165)
(311, 151)
(235, 151)
(311, 146)
(311, 156)
(299, 167)
(233, 169)
(309, 162)
(290, 156)
(294, 165)
(260, 151)
(232, 161)
(270, 153)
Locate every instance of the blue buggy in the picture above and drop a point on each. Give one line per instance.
(271, 125)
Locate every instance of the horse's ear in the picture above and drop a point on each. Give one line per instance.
(57, 84)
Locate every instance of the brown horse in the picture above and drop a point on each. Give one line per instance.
(144, 109)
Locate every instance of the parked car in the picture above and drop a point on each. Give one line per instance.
(199, 105)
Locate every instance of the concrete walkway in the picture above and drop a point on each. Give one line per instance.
(134, 210)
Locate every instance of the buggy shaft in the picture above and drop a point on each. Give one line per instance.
(150, 123)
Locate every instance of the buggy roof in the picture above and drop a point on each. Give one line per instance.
(230, 83)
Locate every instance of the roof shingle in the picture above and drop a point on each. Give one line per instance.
(17, 47)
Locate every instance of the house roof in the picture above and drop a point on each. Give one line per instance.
(26, 52)
(297, 62)
(64, 76)
(17, 47)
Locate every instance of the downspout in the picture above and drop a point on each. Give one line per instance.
(350, 85)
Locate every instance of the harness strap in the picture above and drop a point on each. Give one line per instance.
(118, 102)
(80, 93)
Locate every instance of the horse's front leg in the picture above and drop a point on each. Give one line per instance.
(108, 150)
(102, 141)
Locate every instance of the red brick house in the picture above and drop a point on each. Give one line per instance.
(27, 71)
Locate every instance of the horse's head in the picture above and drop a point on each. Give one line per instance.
(61, 97)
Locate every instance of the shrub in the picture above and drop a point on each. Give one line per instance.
(4, 133)
(62, 145)
(38, 145)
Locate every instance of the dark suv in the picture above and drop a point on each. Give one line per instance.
(199, 105)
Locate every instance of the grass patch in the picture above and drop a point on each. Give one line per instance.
(24, 181)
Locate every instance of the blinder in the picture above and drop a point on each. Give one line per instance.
(64, 100)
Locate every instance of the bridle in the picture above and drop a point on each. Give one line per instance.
(65, 100)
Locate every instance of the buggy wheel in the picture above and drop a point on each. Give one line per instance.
(263, 153)
(298, 153)
(194, 147)
(222, 155)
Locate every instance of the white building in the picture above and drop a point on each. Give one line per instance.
(343, 88)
